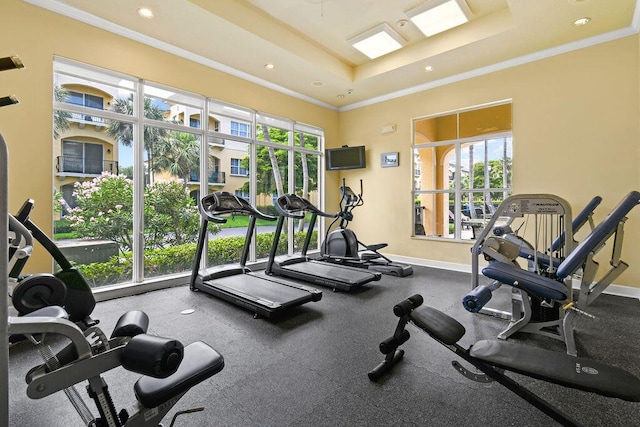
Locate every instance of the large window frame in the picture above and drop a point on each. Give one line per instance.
(447, 205)
(208, 131)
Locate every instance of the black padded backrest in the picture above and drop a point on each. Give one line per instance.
(559, 368)
(599, 235)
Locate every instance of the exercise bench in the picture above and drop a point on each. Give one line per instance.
(494, 357)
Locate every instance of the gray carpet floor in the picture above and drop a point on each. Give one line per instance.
(309, 368)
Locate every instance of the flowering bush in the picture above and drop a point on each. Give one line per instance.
(105, 211)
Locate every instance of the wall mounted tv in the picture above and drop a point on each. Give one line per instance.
(345, 158)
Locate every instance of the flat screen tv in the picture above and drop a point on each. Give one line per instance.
(345, 158)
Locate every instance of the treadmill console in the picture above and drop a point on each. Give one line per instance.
(293, 203)
(226, 202)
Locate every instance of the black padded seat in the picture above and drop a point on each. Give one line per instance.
(437, 324)
(559, 368)
(533, 283)
(200, 362)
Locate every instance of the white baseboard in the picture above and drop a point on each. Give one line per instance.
(613, 289)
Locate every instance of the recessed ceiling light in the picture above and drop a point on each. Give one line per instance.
(581, 21)
(341, 96)
(269, 66)
(428, 68)
(378, 41)
(317, 83)
(145, 12)
(436, 16)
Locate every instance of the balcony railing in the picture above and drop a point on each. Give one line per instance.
(85, 166)
(214, 178)
(87, 119)
(215, 141)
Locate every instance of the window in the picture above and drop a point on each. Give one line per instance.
(242, 194)
(240, 129)
(462, 171)
(85, 99)
(148, 203)
(237, 169)
(80, 157)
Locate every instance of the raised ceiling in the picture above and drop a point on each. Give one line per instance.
(306, 40)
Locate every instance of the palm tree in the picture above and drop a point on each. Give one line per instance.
(277, 178)
(123, 132)
(60, 118)
(178, 154)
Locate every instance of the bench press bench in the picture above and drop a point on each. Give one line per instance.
(493, 357)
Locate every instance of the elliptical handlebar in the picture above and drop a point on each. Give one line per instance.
(348, 202)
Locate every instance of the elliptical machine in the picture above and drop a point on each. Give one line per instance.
(341, 246)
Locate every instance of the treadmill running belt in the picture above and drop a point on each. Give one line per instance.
(260, 288)
(351, 276)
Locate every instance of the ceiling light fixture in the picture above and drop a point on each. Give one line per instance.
(582, 21)
(377, 41)
(145, 12)
(428, 68)
(436, 16)
(269, 66)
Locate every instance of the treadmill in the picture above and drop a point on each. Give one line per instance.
(263, 295)
(301, 267)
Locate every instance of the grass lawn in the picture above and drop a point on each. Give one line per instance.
(242, 221)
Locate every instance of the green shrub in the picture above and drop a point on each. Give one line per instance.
(178, 258)
(62, 226)
(268, 209)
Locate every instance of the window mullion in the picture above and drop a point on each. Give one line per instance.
(138, 185)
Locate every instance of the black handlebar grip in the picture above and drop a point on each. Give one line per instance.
(154, 356)
(405, 307)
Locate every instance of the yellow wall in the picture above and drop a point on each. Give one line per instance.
(576, 133)
(576, 124)
(38, 35)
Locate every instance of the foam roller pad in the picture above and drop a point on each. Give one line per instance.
(131, 324)
(476, 299)
(153, 356)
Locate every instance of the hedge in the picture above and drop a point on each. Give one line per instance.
(179, 258)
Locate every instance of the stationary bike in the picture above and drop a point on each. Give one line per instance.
(341, 246)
